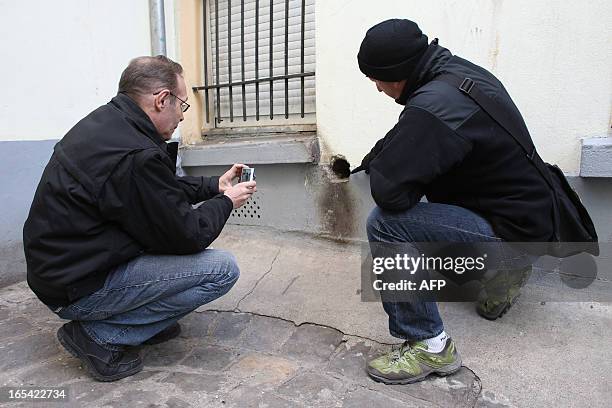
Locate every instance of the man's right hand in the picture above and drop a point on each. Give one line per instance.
(241, 192)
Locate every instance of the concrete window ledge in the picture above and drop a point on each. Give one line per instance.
(219, 148)
(596, 160)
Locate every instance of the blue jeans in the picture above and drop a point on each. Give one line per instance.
(425, 222)
(149, 293)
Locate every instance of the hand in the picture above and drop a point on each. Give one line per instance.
(241, 192)
(364, 166)
(225, 181)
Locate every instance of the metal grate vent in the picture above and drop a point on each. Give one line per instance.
(251, 213)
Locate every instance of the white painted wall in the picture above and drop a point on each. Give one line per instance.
(554, 57)
(63, 58)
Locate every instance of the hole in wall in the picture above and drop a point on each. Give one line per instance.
(340, 166)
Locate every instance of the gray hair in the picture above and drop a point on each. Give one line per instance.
(146, 75)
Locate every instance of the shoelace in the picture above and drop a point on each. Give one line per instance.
(405, 352)
(400, 353)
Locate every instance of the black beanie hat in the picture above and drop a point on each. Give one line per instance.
(391, 50)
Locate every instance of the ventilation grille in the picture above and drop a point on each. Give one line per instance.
(251, 213)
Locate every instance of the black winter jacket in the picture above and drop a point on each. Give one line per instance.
(446, 148)
(108, 194)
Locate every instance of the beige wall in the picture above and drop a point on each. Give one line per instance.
(188, 36)
(553, 56)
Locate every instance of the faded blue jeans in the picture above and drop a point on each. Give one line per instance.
(149, 293)
(425, 222)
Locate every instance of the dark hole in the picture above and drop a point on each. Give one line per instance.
(340, 167)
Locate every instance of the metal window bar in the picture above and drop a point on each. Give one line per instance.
(229, 56)
(242, 59)
(205, 42)
(218, 113)
(287, 59)
(256, 59)
(217, 86)
(302, 55)
(271, 58)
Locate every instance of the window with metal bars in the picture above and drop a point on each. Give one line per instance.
(259, 65)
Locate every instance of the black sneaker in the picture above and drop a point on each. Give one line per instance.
(102, 364)
(501, 292)
(168, 333)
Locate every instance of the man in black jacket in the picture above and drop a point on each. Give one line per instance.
(112, 241)
(479, 185)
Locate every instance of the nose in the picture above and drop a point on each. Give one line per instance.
(378, 87)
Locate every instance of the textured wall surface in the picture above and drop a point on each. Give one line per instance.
(596, 158)
(62, 59)
(560, 78)
(20, 170)
(308, 198)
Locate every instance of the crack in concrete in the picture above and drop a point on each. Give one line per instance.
(394, 396)
(295, 324)
(355, 385)
(477, 381)
(289, 285)
(259, 280)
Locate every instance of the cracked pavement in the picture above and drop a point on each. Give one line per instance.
(294, 332)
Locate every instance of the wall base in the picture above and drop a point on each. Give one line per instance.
(309, 198)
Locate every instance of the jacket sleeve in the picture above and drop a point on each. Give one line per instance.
(421, 148)
(367, 159)
(198, 189)
(145, 198)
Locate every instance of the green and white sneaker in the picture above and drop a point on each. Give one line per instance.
(412, 363)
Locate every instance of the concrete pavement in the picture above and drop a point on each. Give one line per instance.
(294, 332)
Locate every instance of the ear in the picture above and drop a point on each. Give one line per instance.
(161, 100)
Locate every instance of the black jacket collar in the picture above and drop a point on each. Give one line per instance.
(138, 118)
(430, 65)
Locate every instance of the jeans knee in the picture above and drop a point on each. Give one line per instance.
(373, 223)
(229, 267)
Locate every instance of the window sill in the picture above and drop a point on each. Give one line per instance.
(596, 160)
(255, 145)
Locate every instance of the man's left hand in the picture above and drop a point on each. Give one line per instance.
(225, 181)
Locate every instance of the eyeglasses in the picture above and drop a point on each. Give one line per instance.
(184, 104)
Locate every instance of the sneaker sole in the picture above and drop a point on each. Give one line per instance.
(75, 351)
(441, 372)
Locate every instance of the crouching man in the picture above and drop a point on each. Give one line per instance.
(112, 241)
(480, 185)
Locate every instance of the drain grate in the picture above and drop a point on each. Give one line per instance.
(250, 213)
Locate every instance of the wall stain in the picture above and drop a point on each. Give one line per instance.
(494, 53)
(335, 205)
(496, 40)
(335, 201)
